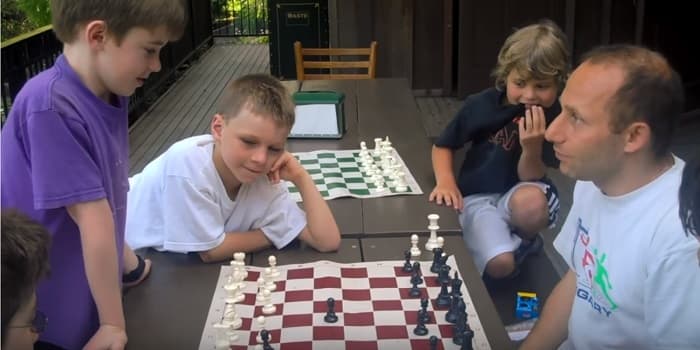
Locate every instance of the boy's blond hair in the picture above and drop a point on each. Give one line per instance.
(261, 94)
(120, 16)
(538, 51)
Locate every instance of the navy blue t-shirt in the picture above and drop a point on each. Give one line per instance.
(491, 164)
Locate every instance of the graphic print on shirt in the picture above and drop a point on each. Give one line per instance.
(593, 281)
(507, 137)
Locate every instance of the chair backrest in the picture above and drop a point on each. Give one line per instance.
(334, 65)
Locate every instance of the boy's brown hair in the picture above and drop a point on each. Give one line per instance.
(261, 94)
(25, 259)
(538, 51)
(120, 16)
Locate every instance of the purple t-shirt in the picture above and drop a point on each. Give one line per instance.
(63, 145)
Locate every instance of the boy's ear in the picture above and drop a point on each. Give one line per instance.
(96, 34)
(217, 125)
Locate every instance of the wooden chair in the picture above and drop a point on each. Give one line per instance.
(333, 65)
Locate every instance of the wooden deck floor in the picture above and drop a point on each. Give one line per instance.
(187, 107)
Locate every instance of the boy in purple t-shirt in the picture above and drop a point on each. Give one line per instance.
(65, 159)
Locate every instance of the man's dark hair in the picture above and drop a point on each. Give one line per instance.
(25, 259)
(652, 92)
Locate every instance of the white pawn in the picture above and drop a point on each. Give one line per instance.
(415, 251)
(232, 336)
(261, 326)
(269, 307)
(273, 266)
(269, 280)
(261, 288)
(440, 241)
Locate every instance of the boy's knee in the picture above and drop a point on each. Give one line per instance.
(528, 208)
(500, 266)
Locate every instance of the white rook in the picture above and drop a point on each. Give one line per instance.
(433, 227)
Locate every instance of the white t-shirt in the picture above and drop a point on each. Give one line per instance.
(638, 279)
(178, 203)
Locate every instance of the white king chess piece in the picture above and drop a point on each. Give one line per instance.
(433, 227)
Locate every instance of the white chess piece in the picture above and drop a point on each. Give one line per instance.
(269, 307)
(401, 182)
(261, 326)
(377, 146)
(233, 293)
(231, 317)
(261, 287)
(440, 241)
(231, 334)
(269, 280)
(415, 251)
(222, 341)
(273, 266)
(433, 227)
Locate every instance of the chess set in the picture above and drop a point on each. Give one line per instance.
(363, 173)
(407, 304)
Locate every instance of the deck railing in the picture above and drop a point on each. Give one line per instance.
(27, 55)
(237, 18)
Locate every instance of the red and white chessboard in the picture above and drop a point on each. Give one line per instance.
(373, 306)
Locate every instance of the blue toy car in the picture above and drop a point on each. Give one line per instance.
(527, 306)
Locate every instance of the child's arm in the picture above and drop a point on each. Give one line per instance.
(531, 129)
(249, 241)
(321, 231)
(97, 236)
(446, 189)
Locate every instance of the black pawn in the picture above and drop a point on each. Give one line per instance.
(265, 336)
(467, 337)
(414, 291)
(330, 315)
(416, 275)
(420, 327)
(407, 267)
(456, 285)
(444, 275)
(443, 299)
(433, 340)
(423, 312)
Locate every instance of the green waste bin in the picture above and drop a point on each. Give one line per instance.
(295, 20)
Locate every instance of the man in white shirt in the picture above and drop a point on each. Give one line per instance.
(633, 273)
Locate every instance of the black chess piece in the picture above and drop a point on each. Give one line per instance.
(467, 337)
(456, 285)
(265, 336)
(424, 309)
(458, 328)
(330, 317)
(433, 340)
(414, 291)
(451, 315)
(416, 273)
(407, 267)
(437, 253)
(420, 327)
(444, 274)
(443, 300)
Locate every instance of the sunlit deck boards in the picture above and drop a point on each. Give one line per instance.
(187, 107)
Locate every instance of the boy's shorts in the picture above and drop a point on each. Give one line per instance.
(485, 222)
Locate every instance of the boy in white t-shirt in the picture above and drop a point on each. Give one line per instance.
(221, 193)
(633, 275)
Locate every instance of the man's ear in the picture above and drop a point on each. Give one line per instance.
(637, 137)
(217, 126)
(96, 34)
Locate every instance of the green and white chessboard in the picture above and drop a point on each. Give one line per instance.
(340, 174)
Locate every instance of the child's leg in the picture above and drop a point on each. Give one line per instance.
(136, 269)
(531, 207)
(488, 236)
